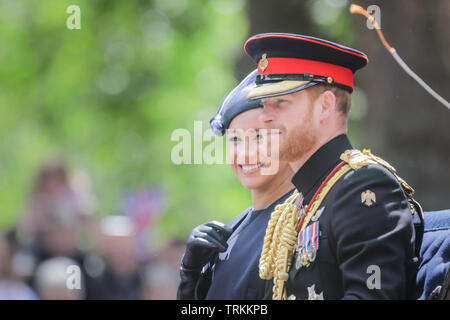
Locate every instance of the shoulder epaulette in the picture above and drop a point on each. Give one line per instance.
(357, 159)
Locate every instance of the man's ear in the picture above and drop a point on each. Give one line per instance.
(328, 104)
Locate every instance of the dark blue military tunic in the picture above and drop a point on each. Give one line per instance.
(235, 273)
(355, 238)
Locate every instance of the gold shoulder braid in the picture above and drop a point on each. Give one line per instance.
(283, 227)
(357, 159)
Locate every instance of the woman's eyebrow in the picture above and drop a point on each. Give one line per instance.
(256, 130)
(250, 130)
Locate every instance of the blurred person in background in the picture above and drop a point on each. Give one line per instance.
(52, 277)
(10, 287)
(57, 194)
(161, 281)
(162, 273)
(221, 261)
(115, 272)
(171, 253)
(59, 208)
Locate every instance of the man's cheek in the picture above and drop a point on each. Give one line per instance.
(270, 152)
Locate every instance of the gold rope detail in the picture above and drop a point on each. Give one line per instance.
(266, 263)
(357, 159)
(279, 244)
(406, 187)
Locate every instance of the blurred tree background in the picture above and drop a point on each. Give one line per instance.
(107, 97)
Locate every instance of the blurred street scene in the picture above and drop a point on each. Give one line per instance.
(59, 237)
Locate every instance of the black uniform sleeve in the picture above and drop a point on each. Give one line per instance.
(372, 238)
(188, 284)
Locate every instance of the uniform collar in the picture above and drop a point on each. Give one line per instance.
(309, 177)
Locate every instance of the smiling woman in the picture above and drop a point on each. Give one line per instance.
(233, 250)
(248, 154)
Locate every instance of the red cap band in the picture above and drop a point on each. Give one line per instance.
(339, 74)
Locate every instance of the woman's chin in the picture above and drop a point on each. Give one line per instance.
(252, 183)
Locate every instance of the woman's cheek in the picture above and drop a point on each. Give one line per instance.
(231, 154)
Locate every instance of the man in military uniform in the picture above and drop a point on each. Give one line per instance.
(348, 233)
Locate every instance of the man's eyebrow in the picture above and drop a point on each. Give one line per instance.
(277, 100)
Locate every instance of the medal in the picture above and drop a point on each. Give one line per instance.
(314, 241)
(305, 260)
(298, 262)
(318, 214)
(312, 255)
(307, 245)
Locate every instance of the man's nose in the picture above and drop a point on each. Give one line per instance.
(267, 114)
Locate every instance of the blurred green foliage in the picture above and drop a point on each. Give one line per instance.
(108, 96)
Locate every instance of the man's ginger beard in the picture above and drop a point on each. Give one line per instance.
(300, 140)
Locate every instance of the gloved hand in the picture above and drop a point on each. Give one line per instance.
(204, 241)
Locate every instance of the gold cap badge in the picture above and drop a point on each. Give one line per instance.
(264, 62)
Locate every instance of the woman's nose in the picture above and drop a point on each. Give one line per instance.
(252, 152)
(247, 152)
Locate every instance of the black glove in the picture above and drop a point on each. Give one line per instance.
(204, 242)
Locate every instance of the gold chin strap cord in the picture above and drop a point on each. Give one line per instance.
(359, 10)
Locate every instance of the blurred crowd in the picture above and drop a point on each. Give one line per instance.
(61, 249)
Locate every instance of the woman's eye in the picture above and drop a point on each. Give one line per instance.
(234, 139)
(259, 137)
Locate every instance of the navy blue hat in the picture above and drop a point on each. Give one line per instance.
(235, 103)
(289, 62)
